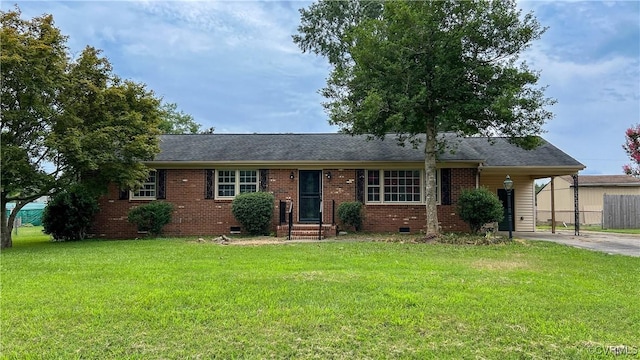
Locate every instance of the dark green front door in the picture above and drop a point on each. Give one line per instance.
(504, 224)
(310, 195)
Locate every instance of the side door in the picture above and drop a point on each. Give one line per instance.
(504, 224)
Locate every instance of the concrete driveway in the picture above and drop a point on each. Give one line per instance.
(610, 243)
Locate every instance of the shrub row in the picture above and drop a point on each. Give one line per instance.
(69, 214)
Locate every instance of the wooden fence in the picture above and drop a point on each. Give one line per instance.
(621, 212)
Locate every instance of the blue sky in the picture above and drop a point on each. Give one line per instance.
(232, 64)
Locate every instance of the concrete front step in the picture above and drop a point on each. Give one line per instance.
(305, 231)
(306, 235)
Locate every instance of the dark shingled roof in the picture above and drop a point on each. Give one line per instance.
(341, 147)
(604, 180)
(500, 152)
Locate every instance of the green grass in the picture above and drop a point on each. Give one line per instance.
(25, 235)
(179, 299)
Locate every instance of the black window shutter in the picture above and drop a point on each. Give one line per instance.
(360, 185)
(161, 184)
(264, 175)
(209, 173)
(123, 195)
(283, 212)
(445, 186)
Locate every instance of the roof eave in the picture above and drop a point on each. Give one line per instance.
(607, 184)
(534, 171)
(308, 164)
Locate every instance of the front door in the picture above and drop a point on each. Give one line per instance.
(310, 195)
(504, 224)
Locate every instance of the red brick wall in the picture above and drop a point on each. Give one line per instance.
(390, 218)
(111, 220)
(447, 217)
(195, 215)
(341, 188)
(283, 188)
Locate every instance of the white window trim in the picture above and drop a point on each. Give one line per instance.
(237, 183)
(423, 196)
(133, 196)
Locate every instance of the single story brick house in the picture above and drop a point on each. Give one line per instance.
(311, 174)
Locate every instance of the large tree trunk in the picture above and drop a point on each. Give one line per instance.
(7, 222)
(430, 153)
(5, 229)
(7, 225)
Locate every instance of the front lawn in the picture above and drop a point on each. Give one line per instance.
(181, 299)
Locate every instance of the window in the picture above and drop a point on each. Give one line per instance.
(248, 181)
(373, 185)
(397, 186)
(232, 182)
(148, 189)
(402, 186)
(226, 183)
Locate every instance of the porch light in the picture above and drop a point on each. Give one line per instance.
(508, 186)
(292, 176)
(328, 174)
(508, 183)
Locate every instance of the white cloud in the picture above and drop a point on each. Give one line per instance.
(236, 24)
(615, 76)
(232, 64)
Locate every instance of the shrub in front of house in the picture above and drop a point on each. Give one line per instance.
(350, 214)
(479, 206)
(69, 215)
(254, 211)
(151, 217)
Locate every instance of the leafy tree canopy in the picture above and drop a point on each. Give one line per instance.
(632, 147)
(174, 121)
(418, 68)
(65, 121)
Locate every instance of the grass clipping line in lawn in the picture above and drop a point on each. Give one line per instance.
(450, 238)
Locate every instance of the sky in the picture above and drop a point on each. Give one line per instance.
(232, 64)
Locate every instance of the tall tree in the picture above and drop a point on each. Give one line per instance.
(632, 147)
(32, 64)
(63, 121)
(174, 121)
(418, 68)
(107, 127)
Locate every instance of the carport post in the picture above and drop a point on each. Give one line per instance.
(553, 206)
(576, 207)
(508, 186)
